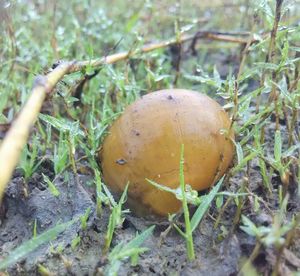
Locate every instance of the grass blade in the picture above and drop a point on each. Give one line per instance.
(139, 239)
(205, 204)
(30, 245)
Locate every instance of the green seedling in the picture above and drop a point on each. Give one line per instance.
(274, 234)
(190, 194)
(84, 218)
(188, 228)
(27, 247)
(100, 197)
(187, 195)
(116, 218)
(244, 162)
(72, 131)
(130, 250)
(75, 242)
(205, 204)
(278, 162)
(96, 130)
(51, 186)
(262, 164)
(58, 250)
(63, 125)
(220, 197)
(214, 81)
(35, 229)
(29, 159)
(60, 154)
(44, 271)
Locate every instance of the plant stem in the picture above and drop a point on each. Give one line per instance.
(188, 229)
(269, 58)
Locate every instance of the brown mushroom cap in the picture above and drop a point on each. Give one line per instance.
(145, 142)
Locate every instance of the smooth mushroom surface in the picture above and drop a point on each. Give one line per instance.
(145, 142)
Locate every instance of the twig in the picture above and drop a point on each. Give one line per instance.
(178, 55)
(233, 37)
(18, 134)
(269, 58)
(251, 258)
(271, 53)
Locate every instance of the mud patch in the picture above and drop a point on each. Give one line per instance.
(44, 209)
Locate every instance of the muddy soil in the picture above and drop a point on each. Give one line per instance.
(166, 255)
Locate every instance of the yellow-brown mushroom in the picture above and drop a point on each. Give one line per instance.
(145, 142)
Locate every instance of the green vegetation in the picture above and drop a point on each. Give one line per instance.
(30, 245)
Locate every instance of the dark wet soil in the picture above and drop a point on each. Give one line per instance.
(167, 255)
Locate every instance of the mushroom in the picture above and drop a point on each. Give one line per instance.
(145, 142)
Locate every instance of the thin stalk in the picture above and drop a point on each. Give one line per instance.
(271, 53)
(188, 228)
(71, 154)
(251, 257)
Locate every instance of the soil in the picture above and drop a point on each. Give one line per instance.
(164, 259)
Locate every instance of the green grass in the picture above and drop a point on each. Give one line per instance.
(27, 247)
(186, 195)
(116, 218)
(261, 94)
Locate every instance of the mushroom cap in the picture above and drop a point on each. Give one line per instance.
(145, 142)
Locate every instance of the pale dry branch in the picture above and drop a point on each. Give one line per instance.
(17, 136)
